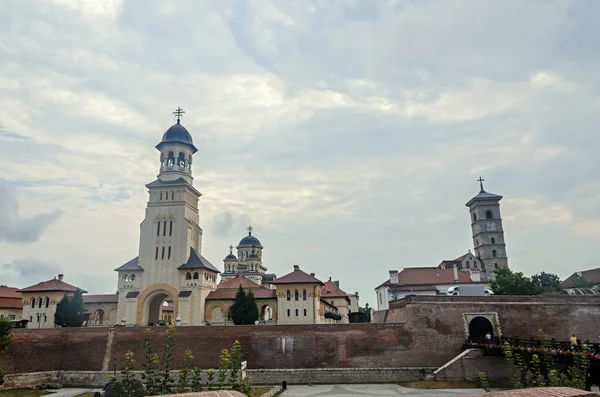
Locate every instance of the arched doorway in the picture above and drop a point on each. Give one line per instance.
(153, 308)
(479, 327)
(266, 313)
(99, 317)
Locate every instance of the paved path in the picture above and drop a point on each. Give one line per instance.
(70, 392)
(372, 390)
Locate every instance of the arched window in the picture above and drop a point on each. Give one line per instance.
(493, 240)
(40, 301)
(304, 295)
(494, 253)
(288, 312)
(188, 276)
(158, 228)
(170, 228)
(169, 255)
(163, 253)
(296, 295)
(45, 317)
(47, 302)
(296, 312)
(474, 217)
(156, 254)
(125, 277)
(304, 312)
(171, 158)
(488, 215)
(164, 228)
(288, 296)
(32, 302)
(172, 195)
(181, 159)
(195, 275)
(132, 278)
(477, 242)
(468, 264)
(161, 195)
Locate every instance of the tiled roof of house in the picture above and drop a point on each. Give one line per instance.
(298, 277)
(11, 303)
(101, 298)
(235, 282)
(51, 285)
(591, 276)
(332, 289)
(9, 292)
(428, 276)
(132, 265)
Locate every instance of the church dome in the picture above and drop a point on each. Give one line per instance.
(177, 133)
(249, 241)
(230, 258)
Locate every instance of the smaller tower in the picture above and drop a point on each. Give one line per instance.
(229, 265)
(488, 233)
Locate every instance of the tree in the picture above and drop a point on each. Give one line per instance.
(508, 282)
(69, 310)
(244, 310)
(6, 338)
(546, 282)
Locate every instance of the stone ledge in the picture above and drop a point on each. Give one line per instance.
(219, 393)
(539, 392)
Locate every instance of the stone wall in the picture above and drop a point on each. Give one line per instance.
(470, 365)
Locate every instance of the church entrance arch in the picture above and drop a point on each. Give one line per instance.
(151, 302)
(99, 317)
(478, 327)
(267, 313)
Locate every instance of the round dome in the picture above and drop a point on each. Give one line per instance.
(249, 241)
(230, 258)
(177, 134)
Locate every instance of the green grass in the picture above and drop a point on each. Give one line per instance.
(23, 393)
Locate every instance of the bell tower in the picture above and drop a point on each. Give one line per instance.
(487, 230)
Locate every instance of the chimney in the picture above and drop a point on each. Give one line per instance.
(60, 277)
(312, 274)
(337, 283)
(455, 273)
(393, 276)
(296, 267)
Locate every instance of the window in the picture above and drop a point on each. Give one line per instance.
(30, 319)
(164, 228)
(45, 317)
(163, 253)
(132, 278)
(468, 264)
(304, 312)
(474, 217)
(495, 266)
(169, 254)
(288, 312)
(304, 295)
(171, 228)
(493, 240)
(188, 276)
(494, 253)
(296, 295)
(172, 195)
(47, 303)
(156, 254)
(125, 278)
(32, 302)
(288, 296)
(40, 301)
(195, 275)
(477, 242)
(488, 215)
(158, 228)
(296, 312)
(161, 195)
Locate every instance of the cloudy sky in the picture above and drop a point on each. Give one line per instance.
(349, 133)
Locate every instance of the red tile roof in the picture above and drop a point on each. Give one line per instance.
(591, 276)
(102, 298)
(298, 277)
(235, 282)
(11, 303)
(413, 276)
(51, 285)
(9, 292)
(332, 290)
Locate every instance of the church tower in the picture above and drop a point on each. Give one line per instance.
(170, 267)
(488, 234)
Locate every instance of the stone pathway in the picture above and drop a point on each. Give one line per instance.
(70, 392)
(372, 390)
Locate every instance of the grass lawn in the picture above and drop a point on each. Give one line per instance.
(441, 385)
(23, 393)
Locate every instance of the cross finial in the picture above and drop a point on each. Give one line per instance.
(179, 113)
(231, 249)
(250, 229)
(480, 180)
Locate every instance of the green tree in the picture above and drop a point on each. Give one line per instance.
(546, 282)
(166, 363)
(507, 282)
(150, 376)
(252, 313)
(238, 309)
(6, 338)
(69, 310)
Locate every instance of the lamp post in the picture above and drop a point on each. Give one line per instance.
(115, 364)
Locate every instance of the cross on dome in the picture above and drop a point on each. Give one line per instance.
(231, 249)
(480, 180)
(250, 229)
(179, 113)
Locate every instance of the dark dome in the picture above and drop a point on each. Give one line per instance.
(177, 134)
(230, 258)
(249, 241)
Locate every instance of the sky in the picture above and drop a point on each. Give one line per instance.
(350, 134)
